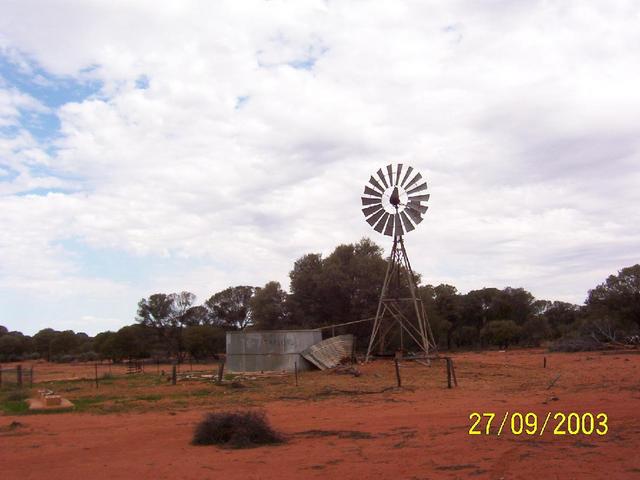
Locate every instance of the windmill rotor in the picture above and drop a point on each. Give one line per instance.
(394, 200)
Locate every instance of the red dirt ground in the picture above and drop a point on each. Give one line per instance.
(418, 433)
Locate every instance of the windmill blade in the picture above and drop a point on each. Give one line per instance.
(420, 198)
(418, 207)
(374, 218)
(398, 173)
(419, 188)
(384, 180)
(388, 230)
(375, 183)
(380, 225)
(415, 179)
(371, 191)
(406, 175)
(369, 210)
(408, 226)
(414, 214)
(390, 172)
(398, 225)
(370, 201)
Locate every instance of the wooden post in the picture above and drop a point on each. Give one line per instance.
(158, 366)
(0, 375)
(398, 373)
(448, 372)
(174, 375)
(295, 370)
(96, 368)
(453, 373)
(19, 375)
(31, 377)
(220, 370)
(544, 363)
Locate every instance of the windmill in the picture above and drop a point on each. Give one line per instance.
(393, 205)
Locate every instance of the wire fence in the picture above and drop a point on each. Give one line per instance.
(16, 375)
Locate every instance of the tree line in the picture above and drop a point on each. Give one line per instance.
(339, 288)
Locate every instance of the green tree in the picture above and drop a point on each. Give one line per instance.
(202, 341)
(167, 315)
(230, 307)
(42, 342)
(64, 343)
(268, 307)
(618, 297)
(501, 332)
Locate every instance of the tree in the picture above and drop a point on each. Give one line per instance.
(12, 346)
(230, 307)
(167, 314)
(618, 297)
(501, 332)
(305, 303)
(343, 287)
(202, 341)
(42, 342)
(64, 343)
(268, 307)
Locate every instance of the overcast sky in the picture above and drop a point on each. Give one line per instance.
(151, 146)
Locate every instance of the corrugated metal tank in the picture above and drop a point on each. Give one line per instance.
(269, 350)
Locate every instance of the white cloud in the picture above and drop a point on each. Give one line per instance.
(262, 121)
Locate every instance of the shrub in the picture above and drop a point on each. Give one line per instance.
(244, 429)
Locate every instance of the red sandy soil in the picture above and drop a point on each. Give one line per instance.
(417, 433)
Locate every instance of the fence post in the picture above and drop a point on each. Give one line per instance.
(31, 377)
(295, 369)
(96, 368)
(0, 375)
(220, 370)
(448, 372)
(19, 375)
(398, 373)
(173, 375)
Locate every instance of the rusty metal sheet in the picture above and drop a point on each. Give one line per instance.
(331, 352)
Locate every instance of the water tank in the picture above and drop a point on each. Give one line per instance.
(269, 350)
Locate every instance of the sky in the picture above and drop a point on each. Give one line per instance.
(165, 146)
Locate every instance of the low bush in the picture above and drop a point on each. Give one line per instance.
(244, 429)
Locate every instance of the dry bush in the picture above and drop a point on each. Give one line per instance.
(244, 429)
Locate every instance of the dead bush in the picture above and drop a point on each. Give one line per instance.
(243, 429)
